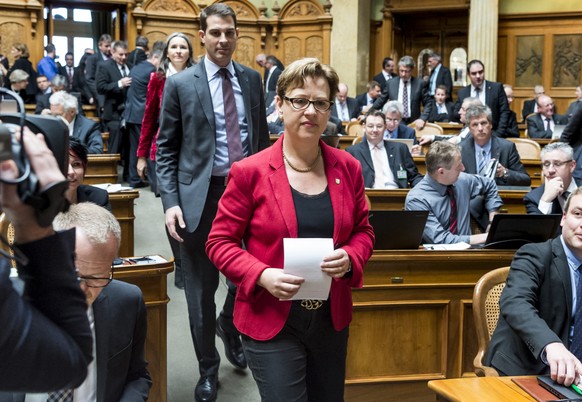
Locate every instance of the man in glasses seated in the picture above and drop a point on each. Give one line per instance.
(116, 312)
(558, 166)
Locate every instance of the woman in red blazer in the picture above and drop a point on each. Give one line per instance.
(299, 187)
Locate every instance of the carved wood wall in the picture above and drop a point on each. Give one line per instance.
(21, 21)
(544, 50)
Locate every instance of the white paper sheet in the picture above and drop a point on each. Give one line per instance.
(303, 258)
(451, 247)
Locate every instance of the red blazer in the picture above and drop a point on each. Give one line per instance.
(150, 122)
(257, 209)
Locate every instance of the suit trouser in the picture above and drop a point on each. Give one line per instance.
(200, 284)
(134, 131)
(114, 142)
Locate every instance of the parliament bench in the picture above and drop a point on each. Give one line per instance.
(102, 168)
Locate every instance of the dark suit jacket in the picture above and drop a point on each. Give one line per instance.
(495, 99)
(135, 57)
(263, 225)
(362, 100)
(535, 309)
(270, 90)
(405, 132)
(108, 75)
(445, 78)
(398, 158)
(186, 140)
(435, 116)
(120, 333)
(512, 130)
(46, 339)
(381, 80)
(42, 102)
(572, 135)
(504, 152)
(418, 95)
(28, 94)
(136, 94)
(353, 109)
(528, 108)
(87, 131)
(573, 108)
(536, 127)
(532, 200)
(79, 83)
(92, 65)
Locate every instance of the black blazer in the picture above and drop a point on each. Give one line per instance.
(495, 99)
(353, 109)
(136, 94)
(532, 200)
(91, 66)
(398, 157)
(418, 95)
(435, 116)
(108, 75)
(186, 140)
(135, 57)
(79, 83)
(512, 130)
(535, 309)
(528, 108)
(445, 78)
(270, 91)
(22, 63)
(88, 133)
(381, 80)
(536, 127)
(504, 152)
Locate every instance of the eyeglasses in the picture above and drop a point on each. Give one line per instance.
(556, 164)
(302, 104)
(94, 282)
(395, 121)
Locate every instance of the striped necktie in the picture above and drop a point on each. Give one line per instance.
(453, 216)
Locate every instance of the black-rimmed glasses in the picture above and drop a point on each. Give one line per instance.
(96, 282)
(303, 103)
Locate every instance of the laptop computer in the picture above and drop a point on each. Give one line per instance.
(558, 129)
(511, 231)
(398, 230)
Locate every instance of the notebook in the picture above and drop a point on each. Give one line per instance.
(398, 230)
(511, 231)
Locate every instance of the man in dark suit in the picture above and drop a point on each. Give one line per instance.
(91, 67)
(531, 105)
(490, 94)
(387, 72)
(75, 79)
(273, 73)
(512, 130)
(410, 91)
(116, 312)
(135, 107)
(439, 75)
(393, 160)
(558, 166)
(538, 331)
(58, 83)
(542, 123)
(345, 108)
(85, 130)
(113, 81)
(577, 104)
(138, 54)
(193, 159)
(367, 99)
(394, 126)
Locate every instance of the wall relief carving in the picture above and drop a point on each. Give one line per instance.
(528, 63)
(567, 57)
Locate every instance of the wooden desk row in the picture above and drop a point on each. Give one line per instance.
(102, 168)
(413, 322)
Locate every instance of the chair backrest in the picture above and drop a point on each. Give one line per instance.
(355, 128)
(429, 128)
(358, 139)
(486, 314)
(526, 148)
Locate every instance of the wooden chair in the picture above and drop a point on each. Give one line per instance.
(355, 128)
(429, 128)
(358, 139)
(486, 314)
(526, 148)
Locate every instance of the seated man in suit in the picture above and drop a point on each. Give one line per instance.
(272, 72)
(539, 329)
(116, 312)
(442, 111)
(387, 72)
(512, 128)
(385, 164)
(58, 83)
(366, 100)
(531, 105)
(394, 126)
(83, 129)
(344, 108)
(558, 166)
(478, 150)
(577, 104)
(445, 192)
(541, 124)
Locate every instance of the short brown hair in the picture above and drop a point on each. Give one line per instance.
(441, 154)
(296, 73)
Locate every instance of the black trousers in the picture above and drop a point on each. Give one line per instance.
(134, 131)
(306, 361)
(200, 284)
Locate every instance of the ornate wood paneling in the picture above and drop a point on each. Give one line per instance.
(21, 21)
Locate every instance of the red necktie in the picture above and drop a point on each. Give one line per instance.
(453, 216)
(235, 151)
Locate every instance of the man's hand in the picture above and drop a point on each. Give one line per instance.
(565, 368)
(419, 123)
(553, 188)
(125, 82)
(281, 285)
(142, 167)
(426, 139)
(500, 172)
(174, 215)
(45, 166)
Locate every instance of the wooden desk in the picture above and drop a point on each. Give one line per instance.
(102, 168)
(449, 128)
(490, 389)
(394, 200)
(151, 279)
(122, 207)
(413, 322)
(532, 166)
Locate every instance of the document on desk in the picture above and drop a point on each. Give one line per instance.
(450, 247)
(303, 257)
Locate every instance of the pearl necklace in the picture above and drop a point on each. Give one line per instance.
(303, 170)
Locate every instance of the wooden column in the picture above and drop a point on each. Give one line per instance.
(483, 22)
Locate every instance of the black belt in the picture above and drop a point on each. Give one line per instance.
(218, 180)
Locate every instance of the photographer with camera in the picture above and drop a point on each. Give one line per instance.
(45, 341)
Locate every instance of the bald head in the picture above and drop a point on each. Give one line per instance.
(342, 93)
(545, 106)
